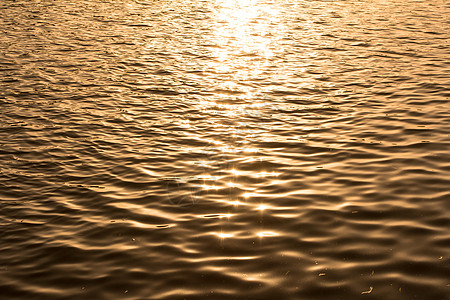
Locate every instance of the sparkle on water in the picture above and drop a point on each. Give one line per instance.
(224, 149)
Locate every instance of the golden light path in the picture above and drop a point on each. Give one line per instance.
(246, 40)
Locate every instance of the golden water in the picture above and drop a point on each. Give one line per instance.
(224, 149)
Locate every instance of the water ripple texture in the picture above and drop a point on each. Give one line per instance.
(224, 149)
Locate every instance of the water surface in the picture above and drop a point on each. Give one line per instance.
(224, 149)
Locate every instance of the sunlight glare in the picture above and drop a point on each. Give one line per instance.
(223, 235)
(262, 234)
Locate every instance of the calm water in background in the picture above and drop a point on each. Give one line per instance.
(224, 149)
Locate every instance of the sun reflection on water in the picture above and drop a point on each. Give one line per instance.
(224, 235)
(245, 42)
(244, 28)
(262, 207)
(263, 234)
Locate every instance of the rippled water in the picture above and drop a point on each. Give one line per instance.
(246, 149)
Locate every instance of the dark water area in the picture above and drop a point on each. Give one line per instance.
(225, 149)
